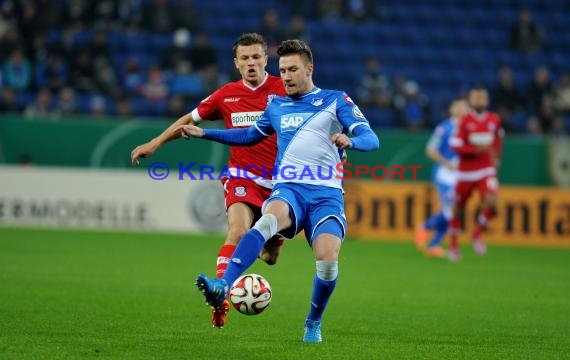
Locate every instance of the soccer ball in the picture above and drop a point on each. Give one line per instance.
(250, 294)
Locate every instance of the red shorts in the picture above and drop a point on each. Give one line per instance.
(244, 191)
(486, 185)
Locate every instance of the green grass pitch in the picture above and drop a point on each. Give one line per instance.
(73, 294)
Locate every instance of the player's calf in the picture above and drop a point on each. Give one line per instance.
(271, 249)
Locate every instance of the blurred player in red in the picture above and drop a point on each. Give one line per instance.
(239, 104)
(478, 142)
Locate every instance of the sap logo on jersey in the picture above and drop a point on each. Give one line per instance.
(291, 122)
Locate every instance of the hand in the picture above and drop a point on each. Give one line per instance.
(142, 151)
(341, 141)
(450, 166)
(187, 131)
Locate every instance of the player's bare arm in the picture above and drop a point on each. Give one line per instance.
(147, 149)
(436, 156)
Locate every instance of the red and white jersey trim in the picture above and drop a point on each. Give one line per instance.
(476, 175)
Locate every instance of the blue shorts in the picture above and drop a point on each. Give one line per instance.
(309, 207)
(446, 194)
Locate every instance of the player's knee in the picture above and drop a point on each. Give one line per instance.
(235, 233)
(267, 225)
(327, 269)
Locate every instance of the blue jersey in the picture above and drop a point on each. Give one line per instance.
(440, 142)
(304, 128)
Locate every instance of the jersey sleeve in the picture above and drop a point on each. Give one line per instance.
(436, 139)
(263, 125)
(208, 108)
(349, 113)
(459, 141)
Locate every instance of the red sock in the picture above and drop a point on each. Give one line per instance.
(482, 220)
(454, 229)
(224, 257)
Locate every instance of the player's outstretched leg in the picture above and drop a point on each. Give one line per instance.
(215, 290)
(271, 248)
(312, 332)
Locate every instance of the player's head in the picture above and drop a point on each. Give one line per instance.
(250, 57)
(296, 67)
(458, 109)
(479, 99)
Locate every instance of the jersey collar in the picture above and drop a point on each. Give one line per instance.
(258, 86)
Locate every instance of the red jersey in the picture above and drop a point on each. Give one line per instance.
(473, 132)
(241, 106)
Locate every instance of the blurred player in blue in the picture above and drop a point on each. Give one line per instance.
(311, 126)
(444, 175)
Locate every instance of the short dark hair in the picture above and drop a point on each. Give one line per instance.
(248, 39)
(289, 47)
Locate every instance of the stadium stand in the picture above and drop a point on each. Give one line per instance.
(445, 46)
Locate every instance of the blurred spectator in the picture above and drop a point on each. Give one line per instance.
(133, 77)
(66, 105)
(155, 87)
(123, 107)
(272, 31)
(105, 78)
(179, 50)
(559, 127)
(176, 107)
(77, 13)
(99, 48)
(9, 42)
(105, 13)
(298, 30)
(374, 89)
(562, 94)
(411, 106)
(9, 101)
(52, 72)
(82, 74)
(187, 17)
(129, 11)
(533, 127)
(202, 53)
(17, 71)
(8, 17)
(40, 49)
(525, 34)
(547, 113)
(506, 98)
(505, 94)
(31, 24)
(538, 89)
(186, 82)
(304, 8)
(329, 10)
(362, 10)
(97, 106)
(41, 107)
(212, 79)
(158, 16)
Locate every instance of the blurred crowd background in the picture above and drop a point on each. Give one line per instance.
(403, 61)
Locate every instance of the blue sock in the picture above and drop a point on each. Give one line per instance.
(322, 291)
(440, 231)
(435, 221)
(244, 256)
